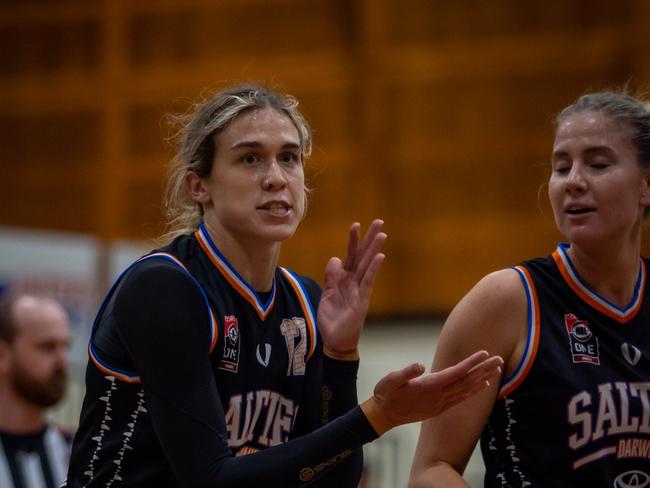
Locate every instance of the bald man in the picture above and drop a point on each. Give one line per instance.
(34, 344)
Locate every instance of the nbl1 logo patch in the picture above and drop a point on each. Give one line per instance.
(230, 358)
(584, 345)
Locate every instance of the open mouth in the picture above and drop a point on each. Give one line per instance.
(579, 210)
(276, 208)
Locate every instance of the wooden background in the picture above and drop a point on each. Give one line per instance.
(432, 114)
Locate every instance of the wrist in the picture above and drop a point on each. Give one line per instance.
(352, 355)
(376, 416)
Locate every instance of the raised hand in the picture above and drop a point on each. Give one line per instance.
(348, 286)
(407, 395)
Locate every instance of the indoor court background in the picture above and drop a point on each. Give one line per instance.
(435, 115)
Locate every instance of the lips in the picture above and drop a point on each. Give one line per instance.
(276, 208)
(579, 209)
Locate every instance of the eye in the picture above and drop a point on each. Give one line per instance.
(599, 164)
(289, 157)
(561, 167)
(249, 158)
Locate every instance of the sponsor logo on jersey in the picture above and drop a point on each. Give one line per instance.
(632, 479)
(584, 345)
(630, 353)
(230, 358)
(267, 355)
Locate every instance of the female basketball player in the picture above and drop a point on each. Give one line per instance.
(573, 406)
(213, 366)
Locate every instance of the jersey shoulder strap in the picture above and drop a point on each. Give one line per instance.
(306, 303)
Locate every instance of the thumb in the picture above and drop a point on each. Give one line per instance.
(375, 408)
(395, 379)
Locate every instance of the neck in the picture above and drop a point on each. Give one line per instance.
(611, 272)
(19, 416)
(255, 261)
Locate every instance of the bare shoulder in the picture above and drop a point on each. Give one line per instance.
(491, 316)
(499, 288)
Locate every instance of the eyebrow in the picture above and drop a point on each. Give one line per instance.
(588, 151)
(256, 144)
(599, 149)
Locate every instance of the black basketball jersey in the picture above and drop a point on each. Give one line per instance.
(266, 361)
(576, 412)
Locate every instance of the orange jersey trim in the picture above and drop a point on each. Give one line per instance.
(593, 299)
(532, 340)
(305, 303)
(236, 281)
(107, 370)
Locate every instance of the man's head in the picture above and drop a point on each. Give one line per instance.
(34, 344)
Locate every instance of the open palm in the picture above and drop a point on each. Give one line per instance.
(348, 286)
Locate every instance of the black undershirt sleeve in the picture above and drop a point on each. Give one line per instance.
(162, 321)
(330, 391)
(338, 396)
(333, 393)
(331, 384)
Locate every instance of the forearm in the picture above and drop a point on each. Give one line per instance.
(296, 463)
(338, 395)
(438, 474)
(339, 389)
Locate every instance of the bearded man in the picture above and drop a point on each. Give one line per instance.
(34, 346)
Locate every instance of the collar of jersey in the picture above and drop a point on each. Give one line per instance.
(600, 303)
(232, 276)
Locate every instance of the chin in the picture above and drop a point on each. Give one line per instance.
(584, 237)
(278, 233)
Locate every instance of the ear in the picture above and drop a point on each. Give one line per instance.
(645, 188)
(197, 188)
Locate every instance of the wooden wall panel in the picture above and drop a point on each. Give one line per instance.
(46, 47)
(436, 116)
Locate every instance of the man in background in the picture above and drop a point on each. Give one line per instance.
(34, 344)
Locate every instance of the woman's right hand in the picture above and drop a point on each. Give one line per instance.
(408, 395)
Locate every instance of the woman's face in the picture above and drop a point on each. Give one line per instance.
(597, 188)
(256, 189)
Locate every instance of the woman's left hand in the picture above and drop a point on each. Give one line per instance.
(348, 286)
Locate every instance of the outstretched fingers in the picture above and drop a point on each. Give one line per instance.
(353, 242)
(396, 379)
(373, 230)
(407, 395)
(476, 379)
(357, 251)
(459, 370)
(332, 270)
(368, 279)
(367, 255)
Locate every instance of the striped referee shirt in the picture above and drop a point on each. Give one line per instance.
(35, 460)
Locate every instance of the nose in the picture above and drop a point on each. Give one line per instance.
(576, 181)
(274, 177)
(63, 357)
